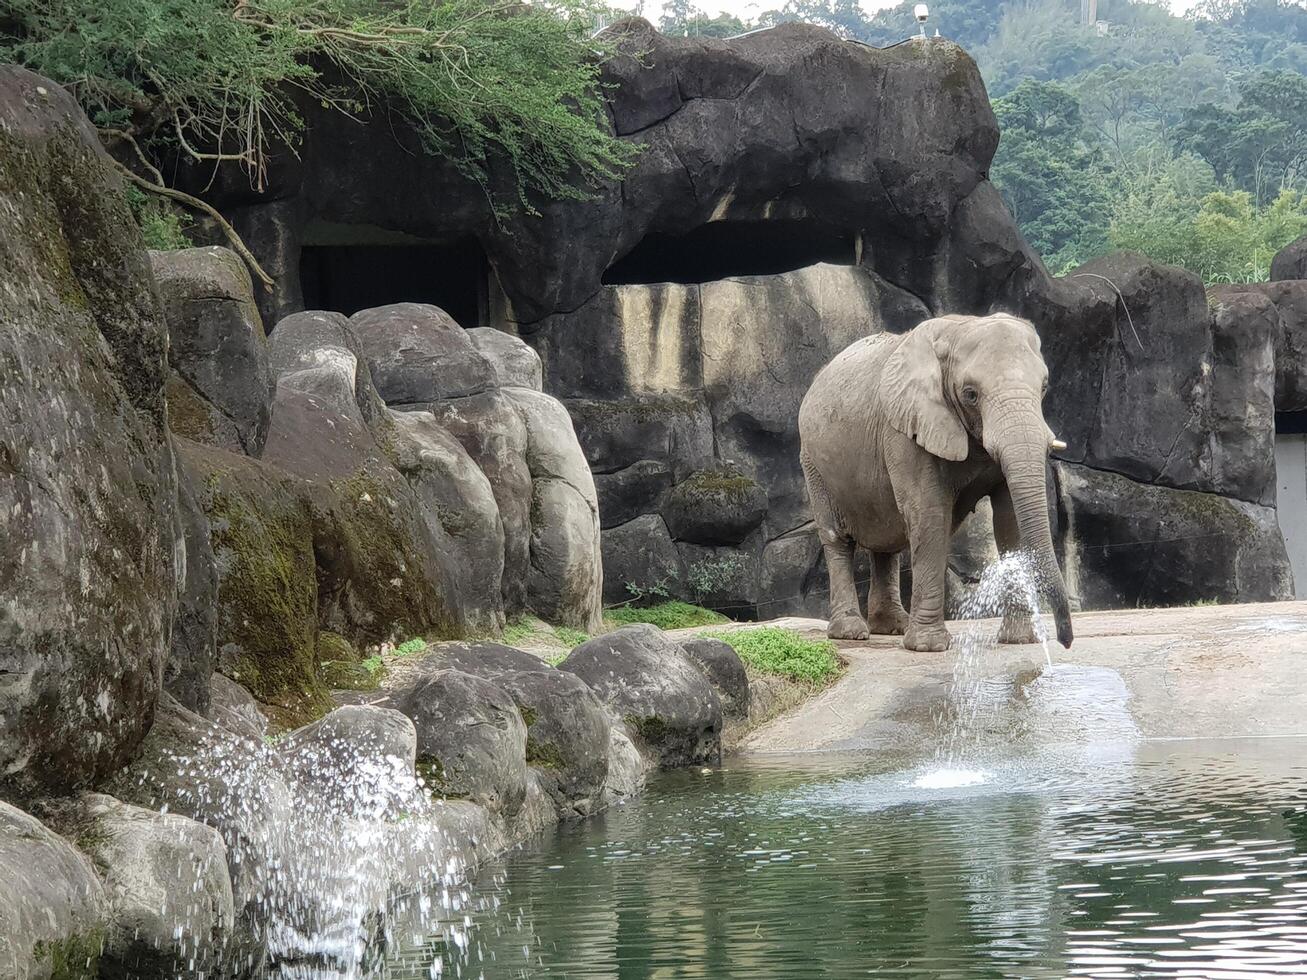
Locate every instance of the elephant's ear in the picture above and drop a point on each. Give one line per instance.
(912, 392)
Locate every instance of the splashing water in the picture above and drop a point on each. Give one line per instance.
(334, 846)
(1010, 586)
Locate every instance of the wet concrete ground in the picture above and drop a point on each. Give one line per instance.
(1199, 672)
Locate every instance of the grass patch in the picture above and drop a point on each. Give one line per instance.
(570, 637)
(410, 647)
(672, 615)
(528, 631)
(784, 652)
(554, 659)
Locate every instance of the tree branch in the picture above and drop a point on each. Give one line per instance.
(234, 239)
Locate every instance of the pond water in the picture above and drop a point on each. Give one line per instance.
(1170, 859)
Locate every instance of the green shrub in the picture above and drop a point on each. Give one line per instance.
(570, 637)
(671, 615)
(410, 647)
(784, 652)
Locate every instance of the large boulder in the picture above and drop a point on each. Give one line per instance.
(567, 740)
(262, 536)
(724, 670)
(418, 354)
(647, 681)
(718, 506)
(1290, 262)
(525, 444)
(325, 342)
(90, 536)
(193, 767)
(458, 501)
(1288, 301)
(390, 572)
(169, 894)
(471, 740)
(216, 347)
(1130, 544)
(233, 707)
(53, 913)
(640, 561)
(1154, 410)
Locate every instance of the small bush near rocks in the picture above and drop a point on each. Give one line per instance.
(410, 647)
(673, 615)
(530, 632)
(784, 652)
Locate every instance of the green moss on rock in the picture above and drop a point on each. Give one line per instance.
(75, 957)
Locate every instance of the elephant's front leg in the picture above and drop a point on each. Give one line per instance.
(1018, 624)
(929, 529)
(845, 621)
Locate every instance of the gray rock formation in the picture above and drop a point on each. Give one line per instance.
(90, 534)
(1290, 262)
(418, 354)
(471, 740)
(567, 735)
(640, 561)
(217, 351)
(671, 711)
(234, 708)
(1130, 544)
(724, 670)
(53, 909)
(262, 534)
(170, 906)
(523, 440)
(457, 499)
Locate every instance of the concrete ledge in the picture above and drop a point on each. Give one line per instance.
(1197, 672)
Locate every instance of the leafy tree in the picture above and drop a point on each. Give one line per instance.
(1229, 239)
(681, 18)
(1260, 145)
(224, 80)
(1050, 176)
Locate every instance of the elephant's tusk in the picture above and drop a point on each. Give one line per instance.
(1057, 445)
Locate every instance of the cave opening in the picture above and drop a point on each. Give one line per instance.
(348, 278)
(726, 249)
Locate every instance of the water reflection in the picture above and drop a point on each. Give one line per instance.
(1170, 859)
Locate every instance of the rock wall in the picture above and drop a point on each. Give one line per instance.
(90, 543)
(796, 191)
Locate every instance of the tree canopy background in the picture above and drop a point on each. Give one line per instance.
(1181, 137)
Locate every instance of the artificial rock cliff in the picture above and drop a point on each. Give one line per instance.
(796, 191)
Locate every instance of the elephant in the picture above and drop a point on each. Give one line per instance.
(900, 436)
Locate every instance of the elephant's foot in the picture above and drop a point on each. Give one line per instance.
(888, 622)
(1017, 628)
(932, 638)
(847, 626)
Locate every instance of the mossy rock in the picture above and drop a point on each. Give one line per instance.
(262, 534)
(714, 506)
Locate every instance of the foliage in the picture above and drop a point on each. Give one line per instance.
(480, 81)
(684, 19)
(781, 651)
(162, 225)
(1229, 239)
(1051, 178)
(526, 631)
(672, 615)
(570, 637)
(410, 647)
(641, 593)
(709, 575)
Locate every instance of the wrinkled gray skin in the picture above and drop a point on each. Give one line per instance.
(900, 437)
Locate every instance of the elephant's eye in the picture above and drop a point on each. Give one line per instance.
(969, 395)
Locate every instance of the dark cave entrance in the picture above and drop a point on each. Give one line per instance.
(349, 278)
(724, 249)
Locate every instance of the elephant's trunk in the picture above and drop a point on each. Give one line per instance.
(1016, 436)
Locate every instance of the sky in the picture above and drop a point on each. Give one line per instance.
(747, 9)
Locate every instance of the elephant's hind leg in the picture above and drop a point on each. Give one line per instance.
(845, 621)
(885, 613)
